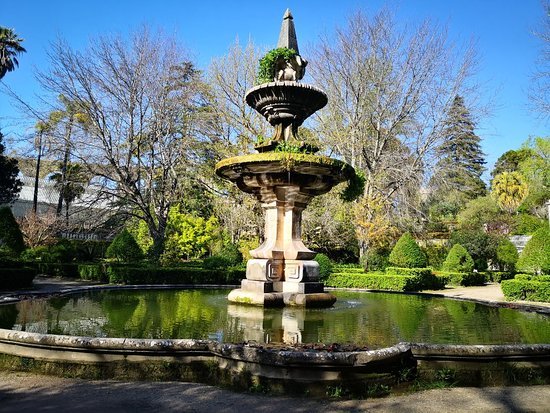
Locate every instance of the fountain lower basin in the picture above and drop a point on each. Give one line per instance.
(280, 367)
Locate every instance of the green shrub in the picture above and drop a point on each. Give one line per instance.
(436, 255)
(465, 279)
(535, 257)
(425, 278)
(229, 255)
(525, 224)
(346, 269)
(89, 250)
(376, 259)
(499, 276)
(395, 279)
(11, 238)
(130, 274)
(93, 272)
(480, 246)
(372, 281)
(325, 266)
(407, 253)
(506, 255)
(531, 277)
(58, 269)
(458, 260)
(529, 290)
(12, 278)
(124, 248)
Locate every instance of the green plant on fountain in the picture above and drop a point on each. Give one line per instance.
(285, 176)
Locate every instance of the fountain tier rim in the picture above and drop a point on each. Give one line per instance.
(287, 162)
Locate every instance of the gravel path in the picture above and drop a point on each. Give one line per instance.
(23, 392)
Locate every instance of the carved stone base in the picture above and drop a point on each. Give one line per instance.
(278, 299)
(279, 283)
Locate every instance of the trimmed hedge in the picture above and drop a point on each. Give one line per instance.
(499, 276)
(465, 279)
(130, 274)
(395, 279)
(57, 269)
(528, 290)
(531, 277)
(12, 278)
(372, 281)
(426, 279)
(339, 269)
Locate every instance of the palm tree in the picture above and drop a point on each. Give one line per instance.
(10, 47)
(72, 113)
(70, 184)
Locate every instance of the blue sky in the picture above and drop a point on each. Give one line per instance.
(503, 30)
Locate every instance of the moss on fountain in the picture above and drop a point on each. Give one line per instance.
(288, 160)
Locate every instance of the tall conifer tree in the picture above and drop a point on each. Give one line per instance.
(461, 160)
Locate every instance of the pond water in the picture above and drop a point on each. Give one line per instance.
(365, 319)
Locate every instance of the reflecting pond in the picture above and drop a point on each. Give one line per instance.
(362, 318)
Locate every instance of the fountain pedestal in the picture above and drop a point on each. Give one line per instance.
(282, 270)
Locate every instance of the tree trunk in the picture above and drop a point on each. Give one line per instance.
(158, 234)
(66, 155)
(37, 175)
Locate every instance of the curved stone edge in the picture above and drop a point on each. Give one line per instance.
(278, 157)
(278, 367)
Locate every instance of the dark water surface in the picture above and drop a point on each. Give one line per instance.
(365, 319)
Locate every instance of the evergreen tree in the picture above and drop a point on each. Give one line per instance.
(510, 161)
(10, 185)
(461, 159)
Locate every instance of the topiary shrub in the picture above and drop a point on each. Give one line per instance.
(436, 255)
(124, 248)
(507, 255)
(407, 253)
(325, 266)
(11, 238)
(376, 259)
(535, 257)
(480, 245)
(458, 260)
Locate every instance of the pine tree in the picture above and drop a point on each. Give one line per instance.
(10, 185)
(461, 160)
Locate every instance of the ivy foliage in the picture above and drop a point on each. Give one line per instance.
(535, 257)
(355, 187)
(266, 72)
(407, 253)
(459, 260)
(124, 248)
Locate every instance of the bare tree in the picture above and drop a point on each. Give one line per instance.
(389, 90)
(238, 126)
(236, 129)
(145, 104)
(539, 93)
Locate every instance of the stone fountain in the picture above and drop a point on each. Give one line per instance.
(282, 270)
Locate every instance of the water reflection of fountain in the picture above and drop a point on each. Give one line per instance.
(263, 325)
